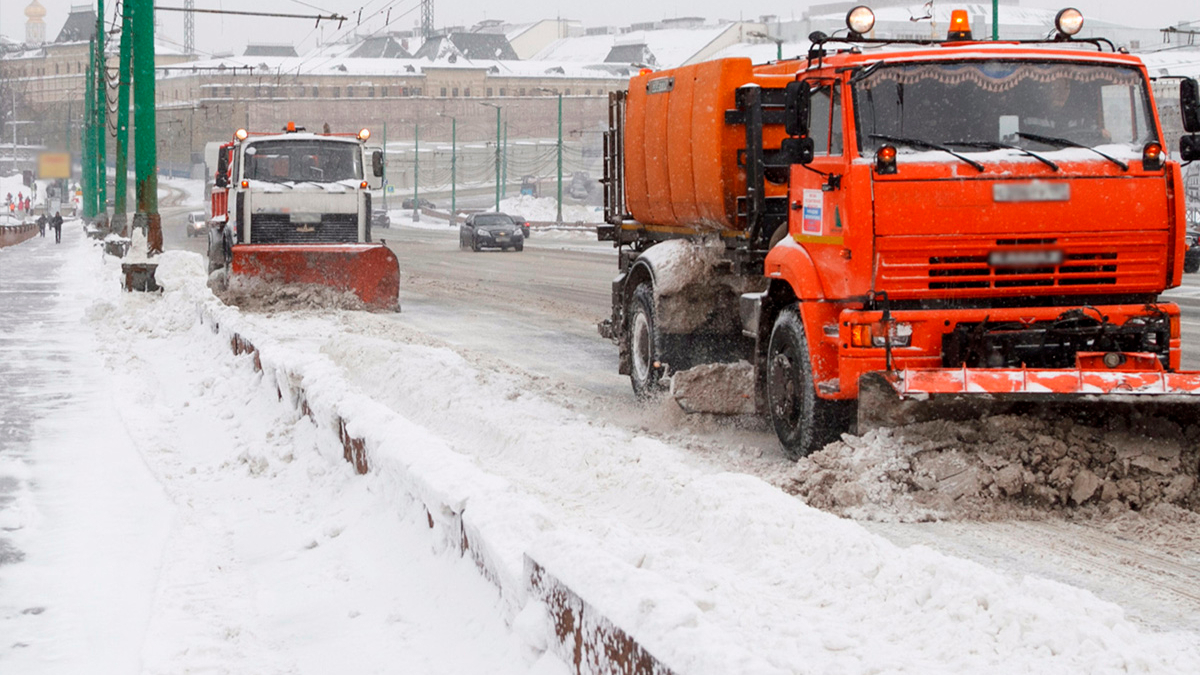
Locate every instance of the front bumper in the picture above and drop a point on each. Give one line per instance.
(1144, 341)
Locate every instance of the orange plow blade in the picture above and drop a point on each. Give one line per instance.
(1032, 384)
(370, 271)
(917, 395)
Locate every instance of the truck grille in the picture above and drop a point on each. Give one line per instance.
(927, 267)
(278, 228)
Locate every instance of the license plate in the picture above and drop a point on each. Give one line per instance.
(1037, 191)
(1024, 258)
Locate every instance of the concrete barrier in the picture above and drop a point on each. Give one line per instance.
(11, 235)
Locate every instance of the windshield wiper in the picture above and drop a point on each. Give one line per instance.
(1066, 143)
(996, 145)
(926, 145)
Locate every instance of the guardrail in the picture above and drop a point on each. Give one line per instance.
(15, 234)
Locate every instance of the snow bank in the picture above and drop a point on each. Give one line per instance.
(545, 210)
(709, 571)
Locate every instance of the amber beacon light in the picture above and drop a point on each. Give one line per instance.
(960, 26)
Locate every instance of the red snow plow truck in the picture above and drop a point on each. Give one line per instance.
(295, 207)
(930, 219)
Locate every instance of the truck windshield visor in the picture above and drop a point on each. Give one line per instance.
(315, 161)
(995, 101)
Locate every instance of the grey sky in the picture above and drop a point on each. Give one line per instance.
(218, 34)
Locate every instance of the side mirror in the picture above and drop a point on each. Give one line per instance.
(377, 163)
(797, 101)
(1189, 105)
(222, 177)
(799, 150)
(1189, 148)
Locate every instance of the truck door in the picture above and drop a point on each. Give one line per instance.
(818, 218)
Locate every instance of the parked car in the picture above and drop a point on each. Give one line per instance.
(197, 224)
(522, 223)
(1191, 257)
(581, 185)
(380, 218)
(425, 204)
(490, 230)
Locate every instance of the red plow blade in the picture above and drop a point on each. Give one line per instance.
(918, 395)
(1032, 384)
(370, 271)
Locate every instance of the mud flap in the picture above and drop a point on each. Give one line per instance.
(370, 271)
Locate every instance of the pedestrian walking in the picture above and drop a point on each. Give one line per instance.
(56, 223)
(28, 206)
(41, 221)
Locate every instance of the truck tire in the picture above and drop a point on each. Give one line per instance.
(1191, 264)
(803, 421)
(645, 374)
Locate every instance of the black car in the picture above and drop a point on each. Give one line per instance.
(1191, 257)
(522, 223)
(490, 230)
(425, 204)
(380, 218)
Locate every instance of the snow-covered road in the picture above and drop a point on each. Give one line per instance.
(245, 542)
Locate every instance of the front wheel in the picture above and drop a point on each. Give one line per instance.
(519, 247)
(1191, 264)
(646, 370)
(803, 421)
(475, 245)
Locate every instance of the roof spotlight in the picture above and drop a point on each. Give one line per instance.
(364, 134)
(1069, 21)
(860, 20)
(241, 134)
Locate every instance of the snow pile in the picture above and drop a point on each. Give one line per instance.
(1005, 465)
(545, 210)
(712, 572)
(253, 294)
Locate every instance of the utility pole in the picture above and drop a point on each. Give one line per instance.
(504, 173)
(493, 105)
(995, 19)
(121, 185)
(87, 160)
(416, 173)
(453, 169)
(145, 132)
(385, 180)
(101, 129)
(559, 217)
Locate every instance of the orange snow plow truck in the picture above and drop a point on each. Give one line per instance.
(951, 220)
(295, 207)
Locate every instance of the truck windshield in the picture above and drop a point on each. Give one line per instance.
(988, 102)
(299, 161)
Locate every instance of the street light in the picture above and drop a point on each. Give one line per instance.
(416, 217)
(778, 42)
(560, 150)
(493, 105)
(453, 168)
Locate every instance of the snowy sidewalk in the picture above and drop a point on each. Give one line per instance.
(162, 515)
(73, 596)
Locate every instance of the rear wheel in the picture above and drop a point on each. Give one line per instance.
(1191, 264)
(803, 421)
(645, 372)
